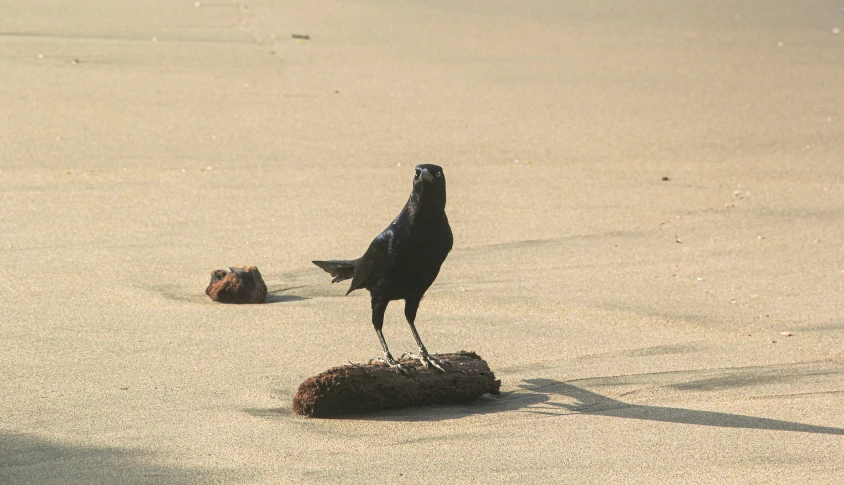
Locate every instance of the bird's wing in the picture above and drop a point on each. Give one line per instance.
(375, 263)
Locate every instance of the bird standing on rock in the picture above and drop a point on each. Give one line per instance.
(403, 261)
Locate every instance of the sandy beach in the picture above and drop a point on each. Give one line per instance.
(647, 201)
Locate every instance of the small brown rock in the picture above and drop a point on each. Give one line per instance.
(237, 284)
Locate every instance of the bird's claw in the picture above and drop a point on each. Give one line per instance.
(394, 364)
(426, 360)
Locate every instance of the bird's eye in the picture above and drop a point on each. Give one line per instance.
(418, 172)
(439, 174)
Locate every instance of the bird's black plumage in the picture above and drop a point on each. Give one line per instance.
(405, 259)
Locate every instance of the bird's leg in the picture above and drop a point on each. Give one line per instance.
(388, 357)
(424, 357)
(379, 307)
(410, 308)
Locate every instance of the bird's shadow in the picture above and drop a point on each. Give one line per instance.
(556, 398)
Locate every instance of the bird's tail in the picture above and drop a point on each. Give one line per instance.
(340, 269)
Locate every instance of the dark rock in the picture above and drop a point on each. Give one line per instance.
(364, 388)
(238, 284)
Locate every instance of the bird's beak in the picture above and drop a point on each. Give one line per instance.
(426, 176)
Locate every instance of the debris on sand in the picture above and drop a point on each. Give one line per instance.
(237, 284)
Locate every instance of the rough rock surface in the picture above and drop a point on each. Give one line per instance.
(353, 389)
(237, 284)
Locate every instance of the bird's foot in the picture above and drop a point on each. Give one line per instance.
(394, 364)
(426, 359)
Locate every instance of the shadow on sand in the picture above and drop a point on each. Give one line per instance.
(557, 398)
(283, 298)
(277, 295)
(30, 459)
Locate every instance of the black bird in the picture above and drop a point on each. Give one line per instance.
(403, 261)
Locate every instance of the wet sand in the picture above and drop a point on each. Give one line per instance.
(644, 199)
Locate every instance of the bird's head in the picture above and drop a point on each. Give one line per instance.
(428, 196)
(429, 178)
